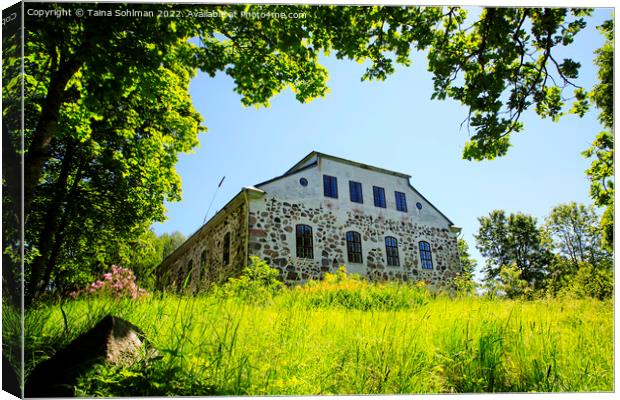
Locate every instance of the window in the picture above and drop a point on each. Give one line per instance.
(304, 241)
(203, 264)
(226, 249)
(303, 182)
(190, 268)
(379, 194)
(401, 201)
(391, 250)
(180, 277)
(425, 255)
(355, 190)
(330, 186)
(354, 247)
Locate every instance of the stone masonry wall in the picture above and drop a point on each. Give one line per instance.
(272, 237)
(211, 240)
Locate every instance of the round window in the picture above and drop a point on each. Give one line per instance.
(418, 205)
(303, 182)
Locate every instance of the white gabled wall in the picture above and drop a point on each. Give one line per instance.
(288, 188)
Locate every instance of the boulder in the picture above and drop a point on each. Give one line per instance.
(113, 340)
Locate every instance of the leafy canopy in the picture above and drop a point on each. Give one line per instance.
(576, 233)
(601, 171)
(513, 241)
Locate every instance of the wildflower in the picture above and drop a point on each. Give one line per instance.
(119, 283)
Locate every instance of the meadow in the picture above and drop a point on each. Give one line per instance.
(340, 336)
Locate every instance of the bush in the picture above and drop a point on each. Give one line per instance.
(257, 282)
(464, 285)
(513, 285)
(592, 282)
(344, 290)
(509, 284)
(120, 282)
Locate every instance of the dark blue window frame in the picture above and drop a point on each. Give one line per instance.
(330, 186)
(401, 201)
(355, 191)
(426, 255)
(391, 251)
(379, 196)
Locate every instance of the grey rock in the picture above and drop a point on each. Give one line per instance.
(112, 339)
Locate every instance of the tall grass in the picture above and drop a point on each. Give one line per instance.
(342, 337)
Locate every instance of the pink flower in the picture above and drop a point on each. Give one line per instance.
(120, 282)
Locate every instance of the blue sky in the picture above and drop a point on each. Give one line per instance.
(393, 125)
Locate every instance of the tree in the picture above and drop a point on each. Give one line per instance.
(503, 64)
(170, 242)
(492, 242)
(516, 240)
(465, 280)
(560, 272)
(148, 251)
(576, 233)
(512, 283)
(11, 167)
(601, 171)
(105, 164)
(468, 264)
(577, 236)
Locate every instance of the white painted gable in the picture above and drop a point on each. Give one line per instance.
(289, 188)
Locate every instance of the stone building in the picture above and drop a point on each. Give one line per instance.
(323, 212)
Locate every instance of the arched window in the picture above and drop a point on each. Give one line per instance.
(304, 241)
(203, 264)
(425, 255)
(226, 249)
(391, 250)
(354, 247)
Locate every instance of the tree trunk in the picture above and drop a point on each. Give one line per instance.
(38, 152)
(12, 226)
(11, 171)
(50, 227)
(59, 237)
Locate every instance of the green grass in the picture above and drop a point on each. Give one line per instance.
(342, 338)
